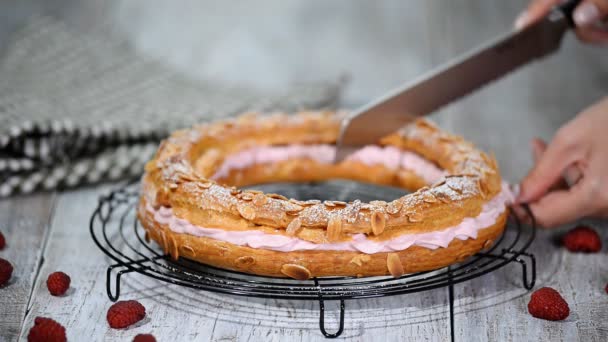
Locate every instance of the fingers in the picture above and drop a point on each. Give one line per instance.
(535, 11)
(592, 35)
(563, 206)
(586, 16)
(561, 153)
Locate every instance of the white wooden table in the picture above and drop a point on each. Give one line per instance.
(49, 232)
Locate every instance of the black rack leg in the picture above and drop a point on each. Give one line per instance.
(322, 320)
(528, 284)
(114, 297)
(451, 300)
(322, 315)
(128, 269)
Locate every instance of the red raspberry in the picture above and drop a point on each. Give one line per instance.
(58, 283)
(582, 239)
(46, 330)
(2, 241)
(124, 313)
(606, 288)
(144, 338)
(6, 271)
(546, 303)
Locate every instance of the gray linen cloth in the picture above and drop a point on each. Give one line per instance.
(78, 109)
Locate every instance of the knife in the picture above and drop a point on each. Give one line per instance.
(453, 80)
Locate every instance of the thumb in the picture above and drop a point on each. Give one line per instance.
(589, 12)
(538, 148)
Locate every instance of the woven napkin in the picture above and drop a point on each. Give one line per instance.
(78, 109)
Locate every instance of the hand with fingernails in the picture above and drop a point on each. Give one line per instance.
(569, 180)
(589, 18)
(570, 177)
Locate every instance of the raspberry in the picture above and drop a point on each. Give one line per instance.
(606, 288)
(2, 241)
(58, 283)
(546, 303)
(582, 239)
(124, 313)
(46, 330)
(144, 338)
(6, 271)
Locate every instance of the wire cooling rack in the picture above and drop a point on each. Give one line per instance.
(117, 232)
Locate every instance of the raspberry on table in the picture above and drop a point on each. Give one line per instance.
(125, 313)
(6, 271)
(547, 303)
(58, 283)
(46, 330)
(144, 338)
(582, 239)
(2, 241)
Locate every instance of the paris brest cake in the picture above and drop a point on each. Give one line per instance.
(193, 207)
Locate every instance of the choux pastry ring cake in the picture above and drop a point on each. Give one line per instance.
(193, 206)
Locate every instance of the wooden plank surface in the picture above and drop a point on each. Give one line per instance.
(409, 38)
(24, 222)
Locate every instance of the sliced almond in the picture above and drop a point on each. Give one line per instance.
(247, 211)
(329, 204)
(334, 228)
(147, 236)
(246, 196)
(292, 212)
(173, 248)
(428, 197)
(295, 271)
(394, 207)
(277, 196)
(360, 259)
(234, 191)
(294, 226)
(393, 263)
(415, 216)
(378, 203)
(340, 203)
(378, 222)
(163, 239)
(487, 245)
(260, 199)
(205, 185)
(244, 261)
(442, 196)
(188, 250)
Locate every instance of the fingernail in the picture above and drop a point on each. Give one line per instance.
(521, 20)
(586, 14)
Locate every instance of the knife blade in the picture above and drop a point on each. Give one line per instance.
(453, 80)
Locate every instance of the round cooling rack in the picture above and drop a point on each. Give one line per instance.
(116, 231)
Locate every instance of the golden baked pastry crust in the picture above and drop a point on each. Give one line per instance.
(179, 177)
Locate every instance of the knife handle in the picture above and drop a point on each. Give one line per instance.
(567, 8)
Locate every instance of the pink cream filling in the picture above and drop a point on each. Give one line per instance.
(389, 156)
(466, 229)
